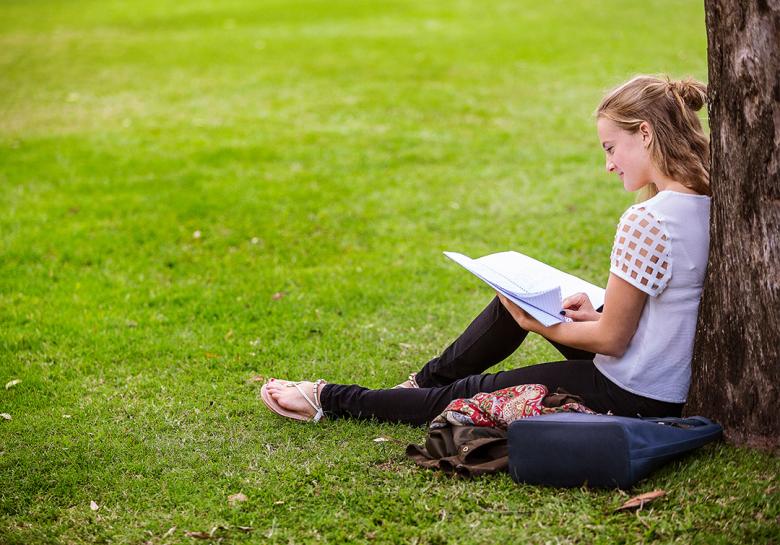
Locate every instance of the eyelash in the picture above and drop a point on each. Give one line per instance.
(609, 150)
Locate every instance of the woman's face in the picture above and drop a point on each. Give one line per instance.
(627, 153)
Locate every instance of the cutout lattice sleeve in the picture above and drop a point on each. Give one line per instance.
(641, 254)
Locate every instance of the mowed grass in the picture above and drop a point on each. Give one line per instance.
(196, 193)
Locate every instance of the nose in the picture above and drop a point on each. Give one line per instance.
(610, 166)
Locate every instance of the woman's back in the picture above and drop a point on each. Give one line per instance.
(669, 238)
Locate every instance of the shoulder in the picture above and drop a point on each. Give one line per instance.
(641, 253)
(655, 203)
(643, 218)
(673, 205)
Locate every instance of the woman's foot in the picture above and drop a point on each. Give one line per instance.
(300, 400)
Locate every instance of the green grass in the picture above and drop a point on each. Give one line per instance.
(330, 151)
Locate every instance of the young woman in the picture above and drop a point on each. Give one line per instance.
(633, 358)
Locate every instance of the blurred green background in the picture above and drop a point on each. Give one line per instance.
(198, 195)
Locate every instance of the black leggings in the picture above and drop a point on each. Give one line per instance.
(489, 339)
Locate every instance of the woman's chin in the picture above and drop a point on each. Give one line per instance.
(630, 185)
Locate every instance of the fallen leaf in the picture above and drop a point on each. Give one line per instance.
(211, 355)
(278, 295)
(94, 506)
(383, 439)
(280, 502)
(234, 498)
(170, 531)
(255, 240)
(257, 378)
(245, 528)
(196, 234)
(65, 416)
(229, 335)
(5, 416)
(198, 535)
(214, 530)
(640, 500)
(131, 323)
(13, 383)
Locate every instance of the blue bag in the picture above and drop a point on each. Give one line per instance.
(572, 449)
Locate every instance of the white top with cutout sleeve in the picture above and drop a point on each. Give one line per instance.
(661, 247)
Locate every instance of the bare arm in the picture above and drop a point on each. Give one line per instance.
(609, 335)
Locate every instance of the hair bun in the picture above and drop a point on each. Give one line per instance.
(692, 92)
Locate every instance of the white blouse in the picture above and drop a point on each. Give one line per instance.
(661, 247)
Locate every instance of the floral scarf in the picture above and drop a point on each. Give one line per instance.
(500, 408)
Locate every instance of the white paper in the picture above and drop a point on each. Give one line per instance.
(536, 287)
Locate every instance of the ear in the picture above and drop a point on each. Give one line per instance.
(647, 133)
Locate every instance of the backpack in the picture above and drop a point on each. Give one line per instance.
(572, 449)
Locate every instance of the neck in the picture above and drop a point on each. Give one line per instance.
(667, 184)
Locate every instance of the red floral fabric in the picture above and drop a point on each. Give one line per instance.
(500, 408)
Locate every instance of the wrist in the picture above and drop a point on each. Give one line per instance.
(534, 326)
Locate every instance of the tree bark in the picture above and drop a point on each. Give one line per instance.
(737, 350)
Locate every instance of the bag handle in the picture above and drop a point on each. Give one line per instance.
(694, 421)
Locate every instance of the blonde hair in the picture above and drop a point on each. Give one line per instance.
(679, 149)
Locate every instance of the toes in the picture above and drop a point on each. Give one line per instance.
(275, 384)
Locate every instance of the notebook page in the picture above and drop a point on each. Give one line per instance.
(543, 306)
(536, 276)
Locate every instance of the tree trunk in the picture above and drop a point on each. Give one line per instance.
(737, 351)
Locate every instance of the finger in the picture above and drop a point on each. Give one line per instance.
(574, 301)
(575, 315)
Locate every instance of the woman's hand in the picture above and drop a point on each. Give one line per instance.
(579, 308)
(524, 320)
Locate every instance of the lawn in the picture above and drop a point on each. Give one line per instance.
(195, 195)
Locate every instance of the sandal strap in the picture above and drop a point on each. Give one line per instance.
(317, 385)
(316, 406)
